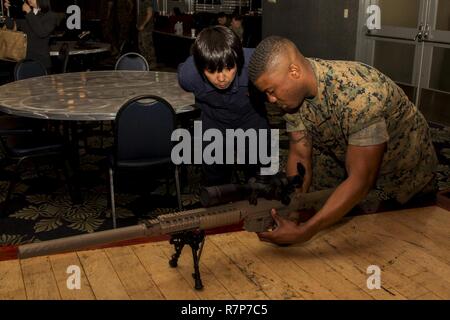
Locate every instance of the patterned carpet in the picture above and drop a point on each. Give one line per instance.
(41, 208)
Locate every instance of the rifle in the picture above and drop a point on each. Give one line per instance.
(188, 227)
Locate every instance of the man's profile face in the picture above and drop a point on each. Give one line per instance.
(222, 21)
(236, 24)
(222, 80)
(282, 89)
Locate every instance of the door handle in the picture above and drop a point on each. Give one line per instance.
(426, 33)
(420, 34)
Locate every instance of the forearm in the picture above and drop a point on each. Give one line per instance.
(346, 196)
(363, 165)
(143, 23)
(291, 165)
(300, 151)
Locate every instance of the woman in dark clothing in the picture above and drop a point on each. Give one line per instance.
(38, 24)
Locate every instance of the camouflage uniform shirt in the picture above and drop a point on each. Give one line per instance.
(145, 4)
(358, 105)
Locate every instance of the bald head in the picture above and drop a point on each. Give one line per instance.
(273, 53)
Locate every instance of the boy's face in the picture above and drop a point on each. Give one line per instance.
(221, 80)
(236, 24)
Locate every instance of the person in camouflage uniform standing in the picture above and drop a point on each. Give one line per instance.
(107, 23)
(369, 139)
(145, 27)
(125, 17)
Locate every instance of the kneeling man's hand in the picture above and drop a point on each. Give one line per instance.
(286, 232)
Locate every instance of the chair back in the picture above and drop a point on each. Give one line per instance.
(143, 129)
(29, 69)
(132, 61)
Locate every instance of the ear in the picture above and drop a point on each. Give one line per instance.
(294, 71)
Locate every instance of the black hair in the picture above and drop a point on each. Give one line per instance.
(264, 53)
(238, 17)
(44, 5)
(177, 11)
(217, 48)
(221, 15)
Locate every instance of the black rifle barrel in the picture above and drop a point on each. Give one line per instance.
(214, 196)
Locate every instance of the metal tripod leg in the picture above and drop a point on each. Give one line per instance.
(178, 242)
(195, 239)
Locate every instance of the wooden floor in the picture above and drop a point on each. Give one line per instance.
(411, 247)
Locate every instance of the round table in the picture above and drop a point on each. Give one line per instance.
(75, 49)
(96, 95)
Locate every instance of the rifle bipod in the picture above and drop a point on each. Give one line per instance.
(196, 240)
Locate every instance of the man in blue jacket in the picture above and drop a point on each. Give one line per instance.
(217, 74)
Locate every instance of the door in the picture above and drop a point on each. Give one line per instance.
(395, 49)
(435, 83)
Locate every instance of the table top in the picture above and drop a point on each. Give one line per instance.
(75, 49)
(96, 95)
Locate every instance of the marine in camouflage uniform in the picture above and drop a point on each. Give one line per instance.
(126, 19)
(358, 105)
(107, 23)
(145, 36)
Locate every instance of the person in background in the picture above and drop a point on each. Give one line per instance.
(217, 75)
(236, 26)
(175, 17)
(222, 19)
(38, 24)
(145, 27)
(125, 19)
(176, 12)
(107, 23)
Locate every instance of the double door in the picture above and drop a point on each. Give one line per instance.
(413, 48)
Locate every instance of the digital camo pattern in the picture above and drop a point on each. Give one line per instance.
(96, 95)
(354, 97)
(145, 37)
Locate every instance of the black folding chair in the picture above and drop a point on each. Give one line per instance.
(21, 148)
(29, 69)
(132, 61)
(143, 130)
(24, 139)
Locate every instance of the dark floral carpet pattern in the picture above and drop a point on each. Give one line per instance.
(42, 208)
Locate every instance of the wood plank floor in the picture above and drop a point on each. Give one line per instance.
(411, 247)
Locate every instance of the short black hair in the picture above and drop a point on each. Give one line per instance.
(221, 15)
(44, 5)
(237, 17)
(217, 48)
(264, 54)
(177, 11)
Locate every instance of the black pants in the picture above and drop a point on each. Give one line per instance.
(220, 174)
